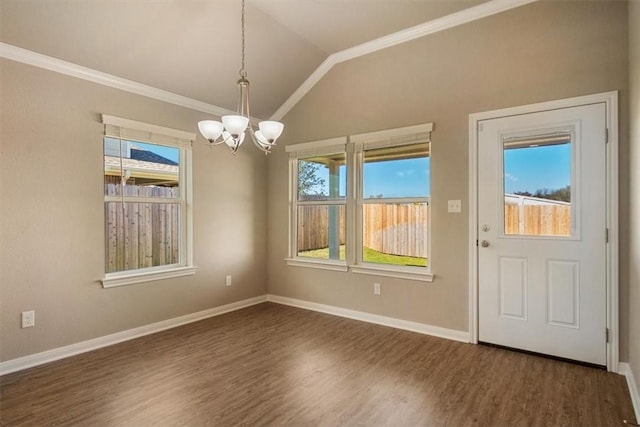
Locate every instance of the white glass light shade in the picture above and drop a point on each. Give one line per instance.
(235, 125)
(210, 129)
(228, 139)
(271, 130)
(261, 139)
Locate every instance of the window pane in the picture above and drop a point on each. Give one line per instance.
(322, 178)
(149, 170)
(395, 233)
(397, 172)
(141, 235)
(537, 186)
(321, 231)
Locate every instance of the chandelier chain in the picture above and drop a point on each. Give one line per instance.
(243, 72)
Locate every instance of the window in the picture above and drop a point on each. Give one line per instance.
(147, 191)
(319, 204)
(363, 204)
(321, 209)
(530, 207)
(395, 205)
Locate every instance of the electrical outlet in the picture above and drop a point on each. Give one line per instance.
(28, 319)
(376, 288)
(227, 280)
(454, 206)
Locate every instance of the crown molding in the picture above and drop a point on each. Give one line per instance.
(305, 87)
(465, 16)
(480, 11)
(35, 59)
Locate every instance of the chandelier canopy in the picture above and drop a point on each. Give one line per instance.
(233, 128)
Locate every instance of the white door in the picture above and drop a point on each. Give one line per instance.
(542, 232)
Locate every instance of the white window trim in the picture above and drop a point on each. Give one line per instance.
(309, 149)
(148, 275)
(322, 264)
(354, 147)
(411, 273)
(144, 132)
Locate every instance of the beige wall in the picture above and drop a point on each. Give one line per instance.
(184, 47)
(634, 210)
(51, 217)
(51, 205)
(539, 52)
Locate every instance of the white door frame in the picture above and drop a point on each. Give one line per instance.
(611, 101)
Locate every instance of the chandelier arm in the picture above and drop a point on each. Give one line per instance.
(236, 144)
(219, 140)
(231, 142)
(263, 146)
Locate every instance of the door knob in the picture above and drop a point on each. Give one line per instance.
(485, 244)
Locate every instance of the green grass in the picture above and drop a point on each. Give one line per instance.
(322, 253)
(369, 255)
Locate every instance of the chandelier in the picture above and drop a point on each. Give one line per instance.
(232, 129)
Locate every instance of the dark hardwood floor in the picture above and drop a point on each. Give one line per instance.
(275, 365)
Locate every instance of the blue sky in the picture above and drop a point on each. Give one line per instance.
(397, 178)
(526, 169)
(531, 169)
(170, 153)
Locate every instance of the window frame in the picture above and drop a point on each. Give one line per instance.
(354, 146)
(130, 130)
(298, 152)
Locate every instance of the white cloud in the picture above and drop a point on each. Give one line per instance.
(511, 177)
(408, 172)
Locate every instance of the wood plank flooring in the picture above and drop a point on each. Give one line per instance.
(273, 365)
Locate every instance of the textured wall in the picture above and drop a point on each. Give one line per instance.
(51, 218)
(538, 52)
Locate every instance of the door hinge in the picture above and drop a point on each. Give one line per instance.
(476, 242)
(606, 135)
(606, 334)
(606, 235)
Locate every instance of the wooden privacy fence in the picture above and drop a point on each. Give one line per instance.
(536, 217)
(399, 229)
(313, 226)
(142, 234)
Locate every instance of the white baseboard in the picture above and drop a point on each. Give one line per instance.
(32, 360)
(625, 369)
(421, 328)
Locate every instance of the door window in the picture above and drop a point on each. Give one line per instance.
(537, 184)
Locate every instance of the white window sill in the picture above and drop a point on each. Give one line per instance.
(373, 269)
(316, 263)
(397, 272)
(130, 278)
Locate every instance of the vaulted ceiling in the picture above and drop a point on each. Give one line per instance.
(192, 48)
